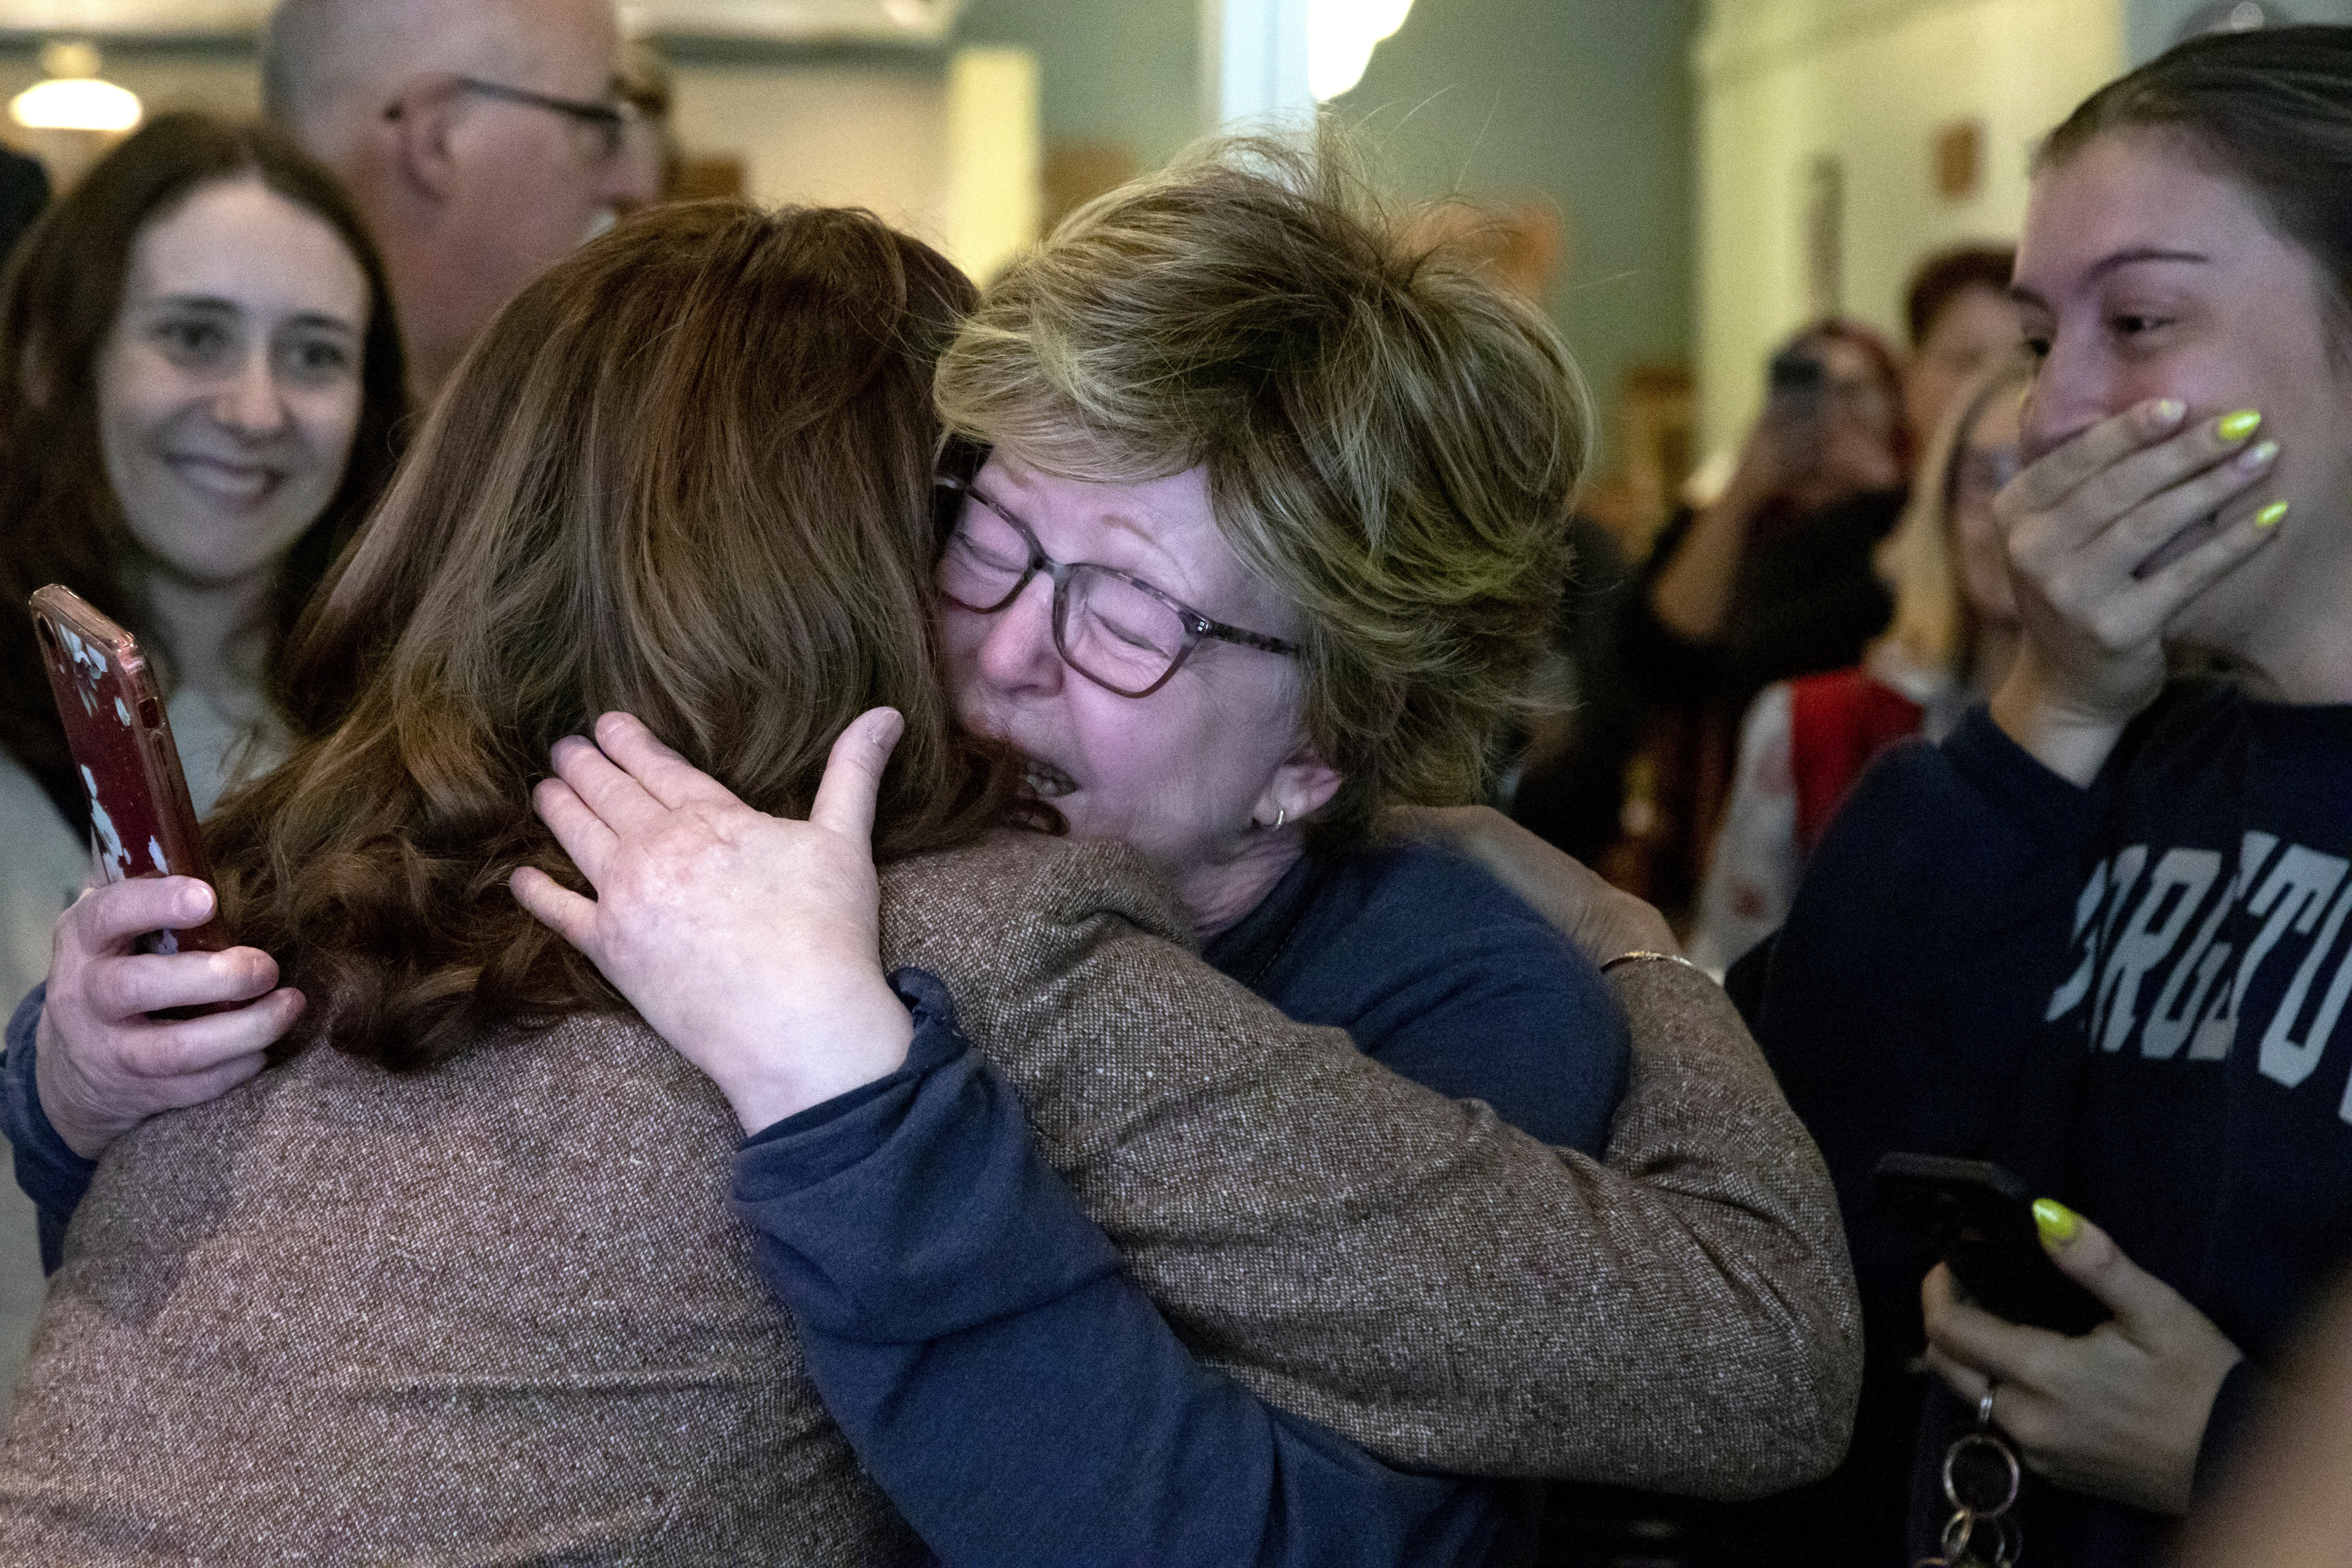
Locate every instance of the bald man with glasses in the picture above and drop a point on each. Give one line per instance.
(482, 138)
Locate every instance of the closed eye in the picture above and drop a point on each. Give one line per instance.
(974, 554)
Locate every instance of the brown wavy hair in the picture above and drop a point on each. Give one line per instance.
(59, 521)
(685, 473)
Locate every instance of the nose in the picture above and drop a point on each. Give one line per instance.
(250, 400)
(1016, 648)
(2075, 387)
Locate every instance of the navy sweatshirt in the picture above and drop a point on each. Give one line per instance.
(2134, 995)
(1016, 1395)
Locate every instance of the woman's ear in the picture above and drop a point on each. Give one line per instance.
(1300, 787)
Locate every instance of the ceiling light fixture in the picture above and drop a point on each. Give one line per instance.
(74, 99)
(1340, 38)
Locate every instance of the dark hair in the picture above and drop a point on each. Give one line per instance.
(2269, 109)
(1949, 274)
(59, 520)
(685, 473)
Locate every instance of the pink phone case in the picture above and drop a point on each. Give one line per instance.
(142, 823)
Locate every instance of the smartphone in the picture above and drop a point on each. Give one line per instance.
(1795, 385)
(1794, 376)
(1980, 1217)
(142, 823)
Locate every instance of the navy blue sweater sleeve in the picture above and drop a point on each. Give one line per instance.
(1443, 975)
(1019, 1398)
(51, 1174)
(1486, 1004)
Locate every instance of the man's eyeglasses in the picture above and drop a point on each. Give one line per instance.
(609, 120)
(1117, 630)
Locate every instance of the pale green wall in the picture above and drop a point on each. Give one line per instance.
(1870, 83)
(1585, 103)
(2151, 25)
(1124, 71)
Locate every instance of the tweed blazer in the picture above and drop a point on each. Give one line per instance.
(498, 1312)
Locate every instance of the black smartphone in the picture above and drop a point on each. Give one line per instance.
(1794, 376)
(1981, 1220)
(1794, 387)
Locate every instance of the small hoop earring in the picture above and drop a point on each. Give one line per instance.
(1281, 815)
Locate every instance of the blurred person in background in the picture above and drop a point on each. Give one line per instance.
(24, 196)
(2285, 1501)
(203, 383)
(1803, 747)
(482, 139)
(1570, 785)
(1805, 742)
(1771, 579)
(1961, 322)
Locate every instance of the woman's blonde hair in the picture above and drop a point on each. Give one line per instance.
(685, 473)
(1390, 442)
(1934, 628)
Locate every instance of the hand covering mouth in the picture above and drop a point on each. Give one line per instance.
(2187, 539)
(1046, 781)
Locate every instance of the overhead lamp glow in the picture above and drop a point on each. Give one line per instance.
(75, 103)
(1340, 38)
(73, 99)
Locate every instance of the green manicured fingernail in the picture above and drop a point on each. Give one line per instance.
(2239, 425)
(2055, 1221)
(2268, 516)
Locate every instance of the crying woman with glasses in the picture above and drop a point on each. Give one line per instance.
(1250, 523)
(1241, 535)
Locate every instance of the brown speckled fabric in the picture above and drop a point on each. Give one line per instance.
(498, 1313)
(1407, 1269)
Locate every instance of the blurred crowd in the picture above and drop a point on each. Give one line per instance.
(846, 916)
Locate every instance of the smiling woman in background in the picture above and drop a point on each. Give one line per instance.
(204, 378)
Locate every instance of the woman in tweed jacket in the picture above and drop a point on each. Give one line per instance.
(453, 1289)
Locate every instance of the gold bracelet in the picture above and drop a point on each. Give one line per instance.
(1642, 955)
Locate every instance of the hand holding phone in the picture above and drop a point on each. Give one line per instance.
(125, 1034)
(1980, 1217)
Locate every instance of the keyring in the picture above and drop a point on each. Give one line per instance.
(2008, 1457)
